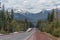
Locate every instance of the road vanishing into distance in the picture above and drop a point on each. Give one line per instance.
(34, 34)
(17, 36)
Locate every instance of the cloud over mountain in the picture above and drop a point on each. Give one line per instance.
(31, 5)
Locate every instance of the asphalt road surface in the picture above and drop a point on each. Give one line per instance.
(34, 34)
(17, 36)
(37, 35)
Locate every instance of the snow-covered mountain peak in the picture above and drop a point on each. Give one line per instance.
(19, 11)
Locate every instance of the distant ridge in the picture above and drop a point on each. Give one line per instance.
(34, 17)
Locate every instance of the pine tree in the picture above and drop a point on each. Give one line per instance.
(3, 18)
(12, 14)
(11, 20)
(51, 16)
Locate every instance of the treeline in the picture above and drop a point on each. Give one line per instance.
(8, 24)
(52, 25)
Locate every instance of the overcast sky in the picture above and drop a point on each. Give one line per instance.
(31, 5)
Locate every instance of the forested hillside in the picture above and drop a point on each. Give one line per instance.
(51, 25)
(8, 24)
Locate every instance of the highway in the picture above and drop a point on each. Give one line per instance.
(33, 34)
(17, 36)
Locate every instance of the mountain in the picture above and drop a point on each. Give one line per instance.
(38, 16)
(31, 16)
(19, 16)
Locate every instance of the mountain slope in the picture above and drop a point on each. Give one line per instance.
(31, 16)
(19, 16)
(38, 16)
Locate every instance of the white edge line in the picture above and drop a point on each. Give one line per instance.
(29, 36)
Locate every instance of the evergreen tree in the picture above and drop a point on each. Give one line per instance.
(12, 14)
(51, 16)
(3, 18)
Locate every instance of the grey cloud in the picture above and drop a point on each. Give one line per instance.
(31, 5)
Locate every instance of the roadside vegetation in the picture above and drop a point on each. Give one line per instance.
(52, 25)
(8, 24)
